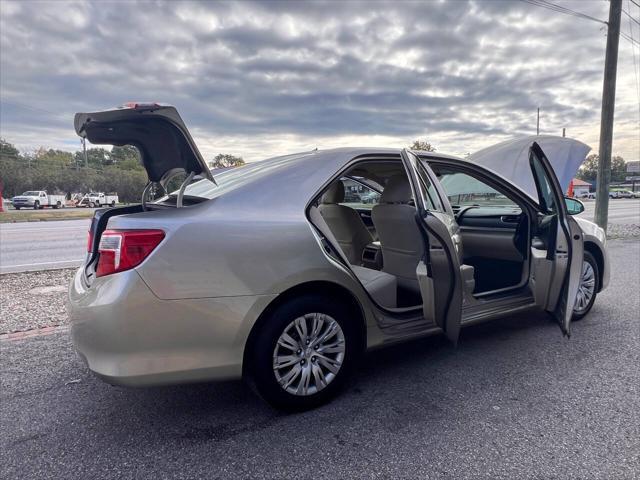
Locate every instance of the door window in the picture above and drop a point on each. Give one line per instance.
(546, 197)
(464, 190)
(357, 195)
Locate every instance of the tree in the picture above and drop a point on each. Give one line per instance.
(589, 169)
(8, 150)
(422, 145)
(224, 160)
(127, 154)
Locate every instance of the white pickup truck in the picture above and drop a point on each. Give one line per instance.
(95, 199)
(37, 199)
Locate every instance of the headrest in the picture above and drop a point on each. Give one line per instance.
(334, 194)
(397, 190)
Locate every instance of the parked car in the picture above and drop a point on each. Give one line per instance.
(261, 272)
(620, 193)
(98, 199)
(37, 199)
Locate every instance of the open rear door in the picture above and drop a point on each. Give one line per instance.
(439, 273)
(567, 249)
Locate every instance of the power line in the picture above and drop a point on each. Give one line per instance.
(630, 17)
(635, 3)
(560, 9)
(632, 40)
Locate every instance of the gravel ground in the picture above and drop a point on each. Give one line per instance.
(623, 230)
(34, 299)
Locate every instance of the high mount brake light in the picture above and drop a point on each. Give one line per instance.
(121, 250)
(141, 105)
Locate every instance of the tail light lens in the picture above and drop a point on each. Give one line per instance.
(121, 250)
(90, 240)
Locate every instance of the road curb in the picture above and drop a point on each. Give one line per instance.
(35, 332)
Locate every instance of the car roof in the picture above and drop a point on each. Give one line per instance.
(289, 182)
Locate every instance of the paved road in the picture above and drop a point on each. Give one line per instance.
(514, 400)
(42, 245)
(621, 210)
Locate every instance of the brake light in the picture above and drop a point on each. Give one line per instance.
(121, 250)
(90, 240)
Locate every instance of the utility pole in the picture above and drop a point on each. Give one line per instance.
(538, 123)
(84, 149)
(564, 132)
(606, 120)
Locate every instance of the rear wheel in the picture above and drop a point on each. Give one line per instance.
(17, 208)
(113, 203)
(304, 353)
(588, 288)
(91, 204)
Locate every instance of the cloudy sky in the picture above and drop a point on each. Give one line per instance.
(260, 79)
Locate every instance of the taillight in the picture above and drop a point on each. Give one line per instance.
(121, 250)
(90, 240)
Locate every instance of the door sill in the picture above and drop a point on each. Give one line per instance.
(486, 309)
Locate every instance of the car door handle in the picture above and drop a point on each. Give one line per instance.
(510, 218)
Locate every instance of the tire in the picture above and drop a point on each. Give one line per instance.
(113, 203)
(57, 205)
(585, 285)
(92, 205)
(17, 208)
(36, 205)
(262, 370)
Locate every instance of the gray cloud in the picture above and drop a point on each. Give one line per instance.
(470, 70)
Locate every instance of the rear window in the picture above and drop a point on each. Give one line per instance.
(236, 177)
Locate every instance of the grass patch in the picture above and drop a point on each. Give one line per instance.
(45, 215)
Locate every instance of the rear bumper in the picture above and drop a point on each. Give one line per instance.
(127, 336)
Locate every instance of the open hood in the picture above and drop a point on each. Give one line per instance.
(510, 159)
(156, 130)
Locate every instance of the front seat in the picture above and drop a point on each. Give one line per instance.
(401, 241)
(345, 223)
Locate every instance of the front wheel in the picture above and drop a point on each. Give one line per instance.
(588, 288)
(17, 208)
(36, 205)
(304, 353)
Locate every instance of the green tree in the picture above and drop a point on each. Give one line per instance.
(8, 150)
(96, 157)
(223, 160)
(125, 154)
(589, 169)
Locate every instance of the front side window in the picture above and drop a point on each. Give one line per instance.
(545, 190)
(464, 190)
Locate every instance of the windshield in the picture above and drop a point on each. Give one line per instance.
(31, 194)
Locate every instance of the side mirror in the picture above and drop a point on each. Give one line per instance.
(574, 206)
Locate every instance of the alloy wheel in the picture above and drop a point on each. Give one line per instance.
(309, 354)
(587, 288)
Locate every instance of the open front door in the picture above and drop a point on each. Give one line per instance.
(565, 249)
(439, 272)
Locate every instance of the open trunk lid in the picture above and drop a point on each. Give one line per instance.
(510, 159)
(157, 131)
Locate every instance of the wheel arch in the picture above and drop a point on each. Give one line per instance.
(595, 250)
(331, 290)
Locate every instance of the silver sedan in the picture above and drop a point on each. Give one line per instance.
(285, 271)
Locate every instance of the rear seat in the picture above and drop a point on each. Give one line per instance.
(381, 286)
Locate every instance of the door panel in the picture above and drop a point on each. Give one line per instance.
(565, 249)
(438, 273)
